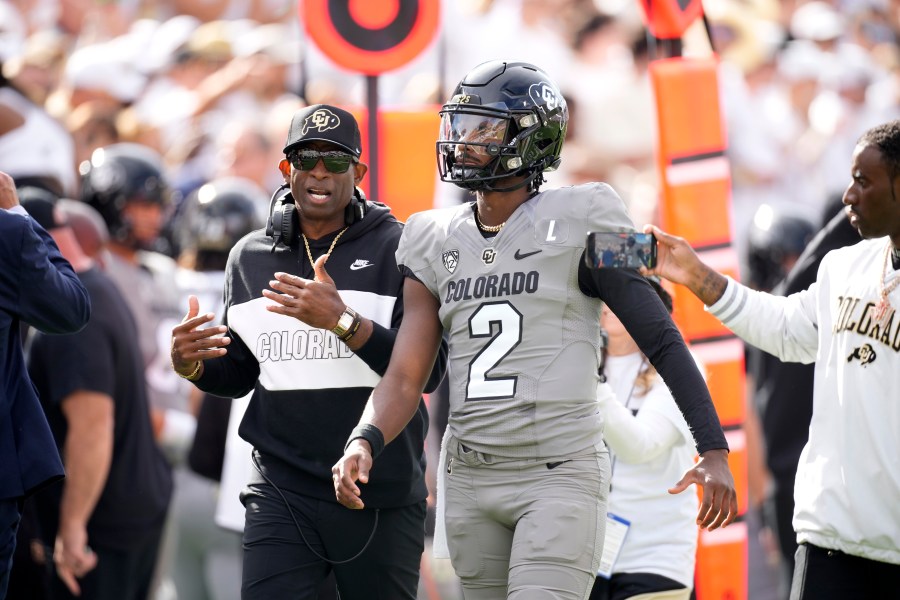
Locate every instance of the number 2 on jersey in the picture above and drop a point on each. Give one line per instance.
(508, 335)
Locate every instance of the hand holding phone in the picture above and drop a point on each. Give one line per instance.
(620, 250)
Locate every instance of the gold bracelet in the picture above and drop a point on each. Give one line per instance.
(193, 375)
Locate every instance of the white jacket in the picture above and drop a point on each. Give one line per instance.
(847, 492)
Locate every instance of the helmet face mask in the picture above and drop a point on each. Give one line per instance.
(504, 120)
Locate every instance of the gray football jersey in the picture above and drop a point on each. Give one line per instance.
(523, 337)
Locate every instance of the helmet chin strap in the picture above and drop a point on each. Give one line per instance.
(533, 181)
(475, 179)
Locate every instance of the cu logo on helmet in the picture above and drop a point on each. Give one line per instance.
(543, 93)
(321, 120)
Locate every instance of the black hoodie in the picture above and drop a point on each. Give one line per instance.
(309, 389)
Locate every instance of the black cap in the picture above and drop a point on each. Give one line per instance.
(324, 123)
(41, 206)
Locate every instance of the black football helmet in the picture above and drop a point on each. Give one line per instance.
(775, 239)
(121, 173)
(215, 216)
(505, 119)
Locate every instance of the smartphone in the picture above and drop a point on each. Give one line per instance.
(620, 250)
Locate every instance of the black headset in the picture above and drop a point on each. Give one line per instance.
(284, 218)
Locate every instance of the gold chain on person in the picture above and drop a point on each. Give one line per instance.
(330, 248)
(883, 308)
(488, 228)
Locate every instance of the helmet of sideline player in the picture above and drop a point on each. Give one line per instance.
(216, 216)
(505, 119)
(121, 174)
(775, 239)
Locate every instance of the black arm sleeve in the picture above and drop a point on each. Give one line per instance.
(232, 375)
(648, 322)
(376, 352)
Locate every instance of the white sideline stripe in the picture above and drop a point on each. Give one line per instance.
(734, 533)
(713, 353)
(737, 439)
(720, 259)
(697, 171)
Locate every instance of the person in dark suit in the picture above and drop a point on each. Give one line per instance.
(37, 287)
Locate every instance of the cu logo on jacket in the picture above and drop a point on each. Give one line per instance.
(865, 354)
(321, 120)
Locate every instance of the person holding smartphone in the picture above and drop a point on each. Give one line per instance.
(846, 513)
(651, 536)
(504, 277)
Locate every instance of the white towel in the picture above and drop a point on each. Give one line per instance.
(439, 547)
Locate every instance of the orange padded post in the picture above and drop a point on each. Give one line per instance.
(695, 183)
(406, 158)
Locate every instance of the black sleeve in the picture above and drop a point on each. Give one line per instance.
(233, 375)
(636, 304)
(376, 352)
(207, 453)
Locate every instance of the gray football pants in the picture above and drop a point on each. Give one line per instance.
(526, 529)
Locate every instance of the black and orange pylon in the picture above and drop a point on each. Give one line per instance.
(695, 186)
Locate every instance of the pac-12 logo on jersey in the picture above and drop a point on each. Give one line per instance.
(321, 120)
(450, 258)
(543, 93)
(488, 256)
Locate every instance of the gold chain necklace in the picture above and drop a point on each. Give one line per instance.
(330, 248)
(488, 228)
(884, 305)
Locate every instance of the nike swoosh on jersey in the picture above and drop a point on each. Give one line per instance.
(360, 264)
(553, 465)
(519, 255)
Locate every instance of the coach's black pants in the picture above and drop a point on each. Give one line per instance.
(822, 574)
(279, 563)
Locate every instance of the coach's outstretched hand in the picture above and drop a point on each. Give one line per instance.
(191, 345)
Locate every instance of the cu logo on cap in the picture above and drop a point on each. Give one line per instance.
(542, 93)
(321, 120)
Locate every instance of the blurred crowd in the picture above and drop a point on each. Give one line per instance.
(211, 85)
(208, 89)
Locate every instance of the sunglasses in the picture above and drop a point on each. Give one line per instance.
(335, 162)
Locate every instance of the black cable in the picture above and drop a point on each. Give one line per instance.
(287, 505)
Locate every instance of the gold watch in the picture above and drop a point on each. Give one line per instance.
(345, 325)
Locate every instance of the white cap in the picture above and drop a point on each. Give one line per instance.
(852, 67)
(272, 39)
(817, 21)
(102, 67)
(171, 35)
(802, 60)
